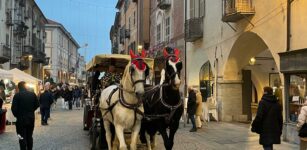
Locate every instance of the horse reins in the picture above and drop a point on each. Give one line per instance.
(122, 100)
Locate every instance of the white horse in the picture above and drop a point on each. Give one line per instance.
(122, 106)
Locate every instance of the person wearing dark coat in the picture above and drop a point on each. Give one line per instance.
(68, 96)
(24, 105)
(191, 110)
(268, 121)
(45, 100)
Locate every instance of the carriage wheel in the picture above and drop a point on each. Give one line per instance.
(94, 134)
(85, 113)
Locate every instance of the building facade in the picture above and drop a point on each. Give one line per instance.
(23, 34)
(131, 26)
(62, 49)
(243, 47)
(166, 29)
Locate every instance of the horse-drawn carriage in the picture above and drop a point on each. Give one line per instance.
(132, 104)
(92, 119)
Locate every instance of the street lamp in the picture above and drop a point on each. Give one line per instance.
(30, 57)
(140, 47)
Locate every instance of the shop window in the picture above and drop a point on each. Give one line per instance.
(297, 94)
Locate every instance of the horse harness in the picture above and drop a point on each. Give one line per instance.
(124, 103)
(172, 108)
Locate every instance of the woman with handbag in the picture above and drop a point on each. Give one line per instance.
(302, 126)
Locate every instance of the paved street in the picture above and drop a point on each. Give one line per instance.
(65, 133)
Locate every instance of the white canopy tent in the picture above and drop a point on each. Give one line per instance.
(19, 75)
(5, 74)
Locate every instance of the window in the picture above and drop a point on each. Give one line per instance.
(134, 18)
(297, 94)
(202, 7)
(129, 23)
(192, 9)
(167, 29)
(158, 33)
(7, 40)
(197, 8)
(206, 81)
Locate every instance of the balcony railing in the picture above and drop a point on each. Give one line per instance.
(5, 54)
(164, 4)
(194, 29)
(235, 10)
(28, 50)
(23, 64)
(9, 20)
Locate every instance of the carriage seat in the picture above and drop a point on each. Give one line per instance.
(212, 108)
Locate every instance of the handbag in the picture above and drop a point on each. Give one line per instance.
(303, 131)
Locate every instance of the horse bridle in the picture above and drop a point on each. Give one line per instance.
(175, 72)
(137, 81)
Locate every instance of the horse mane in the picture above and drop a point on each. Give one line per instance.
(126, 72)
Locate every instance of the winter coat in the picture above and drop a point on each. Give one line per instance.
(24, 105)
(199, 104)
(302, 118)
(46, 99)
(191, 110)
(68, 95)
(268, 121)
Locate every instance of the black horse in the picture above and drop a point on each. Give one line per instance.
(163, 106)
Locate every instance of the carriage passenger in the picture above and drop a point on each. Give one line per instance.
(111, 77)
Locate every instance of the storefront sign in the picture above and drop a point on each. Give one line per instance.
(294, 61)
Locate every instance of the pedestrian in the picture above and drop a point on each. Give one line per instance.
(69, 97)
(302, 119)
(199, 109)
(192, 108)
(77, 96)
(83, 96)
(24, 105)
(46, 100)
(2, 114)
(268, 121)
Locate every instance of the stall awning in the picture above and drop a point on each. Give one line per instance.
(294, 61)
(6, 74)
(22, 76)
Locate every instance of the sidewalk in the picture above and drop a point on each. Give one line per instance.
(220, 136)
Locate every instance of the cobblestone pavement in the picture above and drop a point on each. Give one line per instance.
(65, 133)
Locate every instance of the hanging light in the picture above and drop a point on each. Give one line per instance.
(252, 61)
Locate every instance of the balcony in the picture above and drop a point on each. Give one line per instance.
(22, 3)
(39, 57)
(24, 64)
(28, 50)
(193, 29)
(164, 4)
(235, 10)
(5, 54)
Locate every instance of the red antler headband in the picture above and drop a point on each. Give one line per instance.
(173, 57)
(138, 60)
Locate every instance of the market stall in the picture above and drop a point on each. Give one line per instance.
(31, 81)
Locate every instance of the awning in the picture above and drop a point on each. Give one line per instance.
(103, 61)
(6, 74)
(19, 75)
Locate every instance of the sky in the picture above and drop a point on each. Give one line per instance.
(88, 21)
